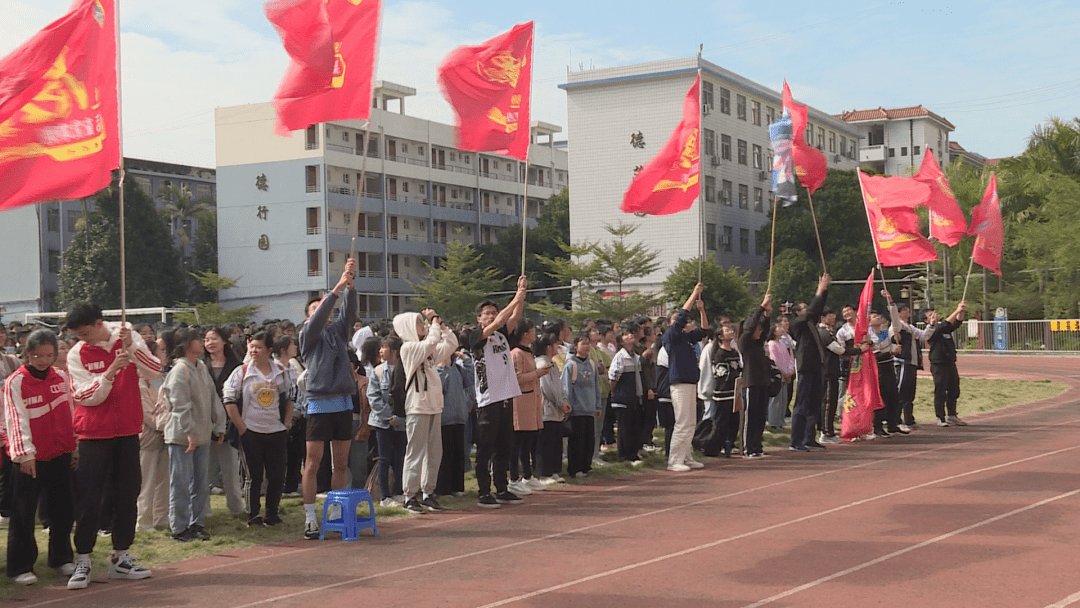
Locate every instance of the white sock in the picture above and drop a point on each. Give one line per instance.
(309, 512)
(85, 556)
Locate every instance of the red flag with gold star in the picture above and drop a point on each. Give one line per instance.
(313, 91)
(988, 229)
(890, 210)
(488, 86)
(59, 125)
(672, 179)
(947, 222)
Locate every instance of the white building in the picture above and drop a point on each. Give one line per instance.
(286, 208)
(605, 107)
(893, 140)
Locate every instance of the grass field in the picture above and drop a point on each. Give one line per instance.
(230, 532)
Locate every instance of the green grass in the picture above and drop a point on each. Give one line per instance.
(230, 532)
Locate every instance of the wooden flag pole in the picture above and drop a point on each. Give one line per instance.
(817, 233)
(120, 143)
(772, 247)
(970, 265)
(700, 200)
(525, 207)
(873, 235)
(362, 185)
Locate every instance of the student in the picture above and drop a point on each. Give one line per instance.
(555, 412)
(883, 337)
(809, 356)
(755, 377)
(783, 356)
(648, 384)
(454, 416)
(194, 418)
(627, 392)
(358, 447)
(422, 345)
(665, 413)
(257, 402)
(908, 363)
(720, 367)
(105, 367)
(528, 410)
(496, 387)
(224, 458)
(41, 444)
(153, 501)
(837, 352)
(582, 389)
(943, 366)
(679, 341)
(389, 428)
(286, 353)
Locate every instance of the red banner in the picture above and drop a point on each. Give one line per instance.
(672, 179)
(947, 222)
(59, 124)
(810, 163)
(863, 393)
(305, 96)
(890, 210)
(988, 229)
(489, 88)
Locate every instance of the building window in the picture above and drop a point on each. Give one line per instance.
(313, 220)
(54, 260)
(809, 134)
(740, 107)
(892, 152)
(759, 199)
(757, 156)
(404, 224)
(710, 142)
(453, 157)
(843, 145)
(742, 152)
(744, 240)
(404, 148)
(755, 112)
(770, 115)
(312, 138)
(916, 150)
(404, 186)
(52, 219)
(72, 219)
(420, 150)
(468, 159)
(725, 192)
(314, 263)
(345, 178)
(710, 189)
(725, 147)
(903, 151)
(744, 196)
(821, 138)
(728, 232)
(407, 262)
(344, 137)
(707, 93)
(832, 142)
(330, 257)
(725, 101)
(710, 237)
(311, 177)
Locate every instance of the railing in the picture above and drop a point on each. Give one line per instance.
(419, 162)
(311, 145)
(369, 274)
(465, 170)
(340, 148)
(1043, 336)
(369, 234)
(312, 188)
(314, 230)
(343, 190)
(545, 184)
(314, 272)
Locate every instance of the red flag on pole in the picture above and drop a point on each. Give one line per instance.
(59, 124)
(988, 229)
(863, 394)
(947, 222)
(308, 94)
(810, 163)
(890, 210)
(672, 179)
(489, 88)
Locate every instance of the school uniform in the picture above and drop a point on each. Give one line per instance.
(626, 396)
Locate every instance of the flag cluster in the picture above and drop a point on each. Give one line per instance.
(863, 394)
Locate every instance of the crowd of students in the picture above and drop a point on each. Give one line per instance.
(110, 429)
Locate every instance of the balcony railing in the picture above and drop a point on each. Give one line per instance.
(343, 190)
(314, 230)
(312, 145)
(312, 188)
(314, 272)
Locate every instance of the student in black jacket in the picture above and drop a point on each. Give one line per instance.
(943, 365)
(809, 356)
(755, 377)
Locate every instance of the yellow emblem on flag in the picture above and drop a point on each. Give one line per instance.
(689, 160)
(339, 68)
(503, 68)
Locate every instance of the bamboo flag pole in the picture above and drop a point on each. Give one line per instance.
(362, 185)
(772, 246)
(817, 233)
(873, 235)
(528, 148)
(700, 200)
(970, 265)
(120, 143)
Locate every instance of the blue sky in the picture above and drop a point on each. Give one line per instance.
(994, 69)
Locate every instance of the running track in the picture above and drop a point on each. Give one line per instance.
(986, 515)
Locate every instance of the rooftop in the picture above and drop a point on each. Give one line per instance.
(880, 113)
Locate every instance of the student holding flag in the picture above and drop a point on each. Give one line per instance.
(943, 365)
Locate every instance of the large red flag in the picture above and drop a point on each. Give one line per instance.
(59, 125)
(489, 87)
(672, 179)
(810, 163)
(988, 229)
(863, 392)
(306, 96)
(947, 223)
(890, 210)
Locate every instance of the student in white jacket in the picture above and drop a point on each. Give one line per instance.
(423, 345)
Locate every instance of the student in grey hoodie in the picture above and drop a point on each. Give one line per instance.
(454, 416)
(422, 345)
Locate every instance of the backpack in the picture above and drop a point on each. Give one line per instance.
(776, 380)
(399, 389)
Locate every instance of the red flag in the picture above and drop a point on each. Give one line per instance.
(59, 125)
(306, 95)
(947, 223)
(489, 88)
(988, 229)
(890, 210)
(810, 163)
(672, 179)
(863, 393)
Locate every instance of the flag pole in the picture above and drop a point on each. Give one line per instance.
(772, 247)
(813, 216)
(873, 235)
(120, 145)
(700, 201)
(528, 148)
(362, 185)
(971, 264)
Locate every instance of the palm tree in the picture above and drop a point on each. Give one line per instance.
(180, 207)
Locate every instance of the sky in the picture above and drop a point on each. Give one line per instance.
(994, 69)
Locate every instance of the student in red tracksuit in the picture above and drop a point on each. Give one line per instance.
(41, 441)
(105, 367)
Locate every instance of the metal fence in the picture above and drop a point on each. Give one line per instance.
(1047, 336)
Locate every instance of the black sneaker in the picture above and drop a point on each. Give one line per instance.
(271, 520)
(196, 532)
(183, 537)
(432, 504)
(413, 506)
(798, 448)
(898, 431)
(487, 501)
(882, 434)
(813, 445)
(256, 522)
(507, 497)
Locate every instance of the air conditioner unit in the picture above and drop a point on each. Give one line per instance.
(714, 160)
(724, 240)
(836, 158)
(761, 176)
(706, 109)
(725, 197)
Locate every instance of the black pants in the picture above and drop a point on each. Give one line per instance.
(54, 483)
(665, 416)
(107, 465)
(648, 421)
(726, 422)
(551, 448)
(828, 405)
(946, 388)
(494, 439)
(607, 437)
(7, 480)
(889, 396)
(804, 418)
(523, 452)
(756, 404)
(452, 467)
(295, 452)
(629, 438)
(264, 453)
(579, 446)
(905, 386)
(392, 444)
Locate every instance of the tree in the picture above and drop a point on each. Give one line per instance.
(205, 254)
(725, 291)
(211, 312)
(91, 269)
(458, 284)
(180, 208)
(795, 276)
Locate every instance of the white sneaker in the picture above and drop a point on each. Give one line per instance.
(638, 463)
(558, 478)
(81, 577)
(67, 569)
(518, 487)
(904, 428)
(26, 578)
(678, 468)
(600, 462)
(547, 481)
(391, 501)
(693, 464)
(535, 484)
(123, 566)
(868, 437)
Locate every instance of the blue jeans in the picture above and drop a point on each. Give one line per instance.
(358, 451)
(806, 414)
(188, 489)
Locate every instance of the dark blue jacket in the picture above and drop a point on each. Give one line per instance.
(682, 358)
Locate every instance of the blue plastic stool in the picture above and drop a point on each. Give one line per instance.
(348, 524)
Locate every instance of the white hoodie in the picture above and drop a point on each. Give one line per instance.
(424, 394)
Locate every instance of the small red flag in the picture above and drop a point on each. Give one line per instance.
(863, 393)
(307, 95)
(810, 163)
(988, 229)
(890, 210)
(489, 88)
(947, 222)
(59, 124)
(798, 114)
(672, 179)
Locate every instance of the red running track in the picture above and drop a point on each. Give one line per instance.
(984, 515)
